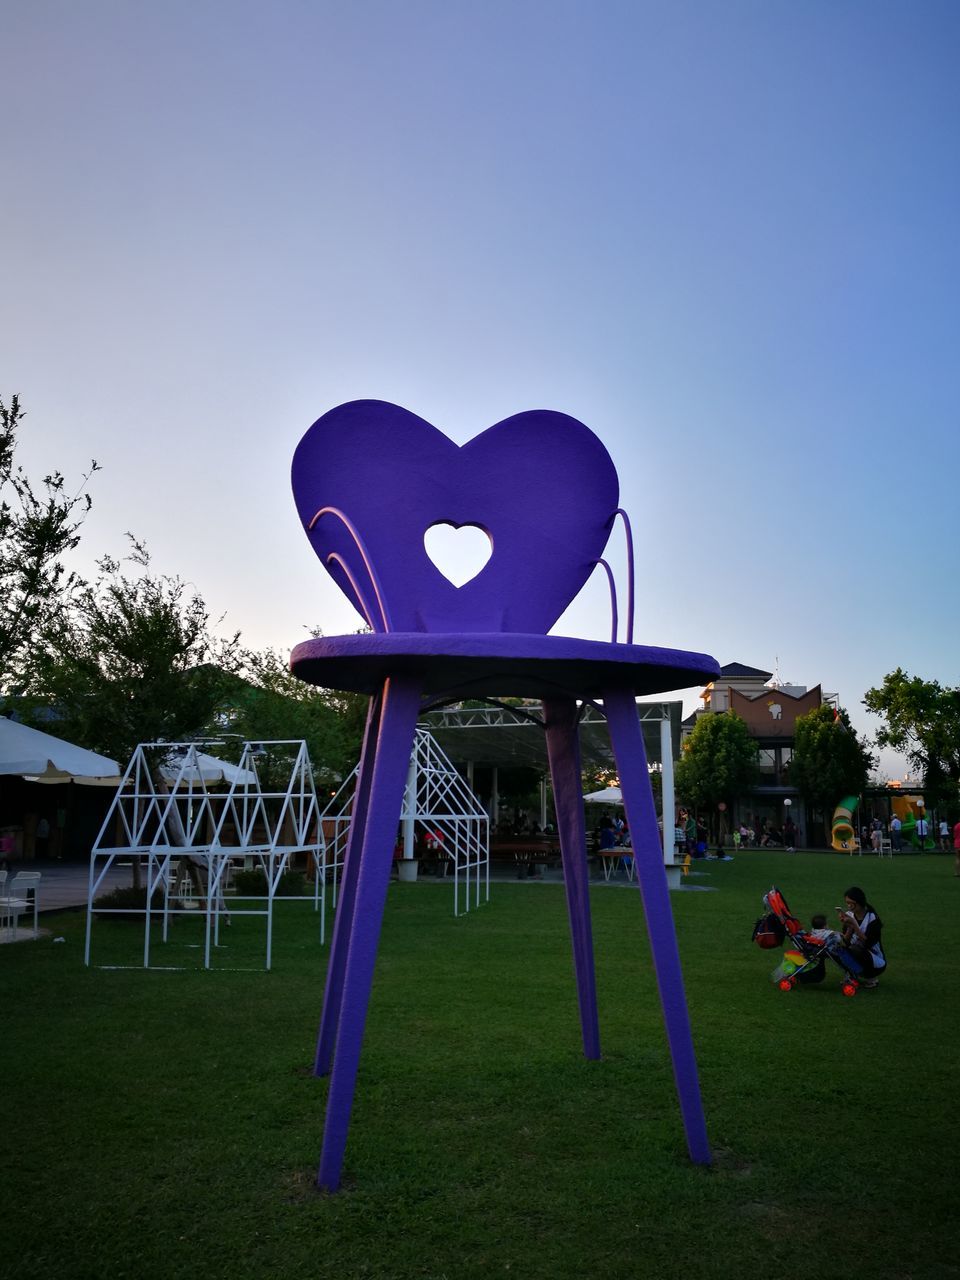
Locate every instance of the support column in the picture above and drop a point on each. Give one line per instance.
(667, 789)
(410, 804)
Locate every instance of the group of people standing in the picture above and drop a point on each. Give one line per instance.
(871, 837)
(695, 837)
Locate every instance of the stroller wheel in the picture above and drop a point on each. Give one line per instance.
(785, 984)
(849, 988)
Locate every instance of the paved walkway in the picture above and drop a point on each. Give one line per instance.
(64, 884)
(63, 887)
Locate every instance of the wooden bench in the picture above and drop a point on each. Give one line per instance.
(532, 852)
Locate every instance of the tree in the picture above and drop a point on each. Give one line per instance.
(271, 704)
(134, 659)
(922, 719)
(718, 762)
(829, 760)
(38, 526)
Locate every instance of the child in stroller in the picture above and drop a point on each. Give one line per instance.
(810, 948)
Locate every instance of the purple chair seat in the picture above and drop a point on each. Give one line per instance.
(497, 665)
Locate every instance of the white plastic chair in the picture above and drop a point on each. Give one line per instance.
(22, 884)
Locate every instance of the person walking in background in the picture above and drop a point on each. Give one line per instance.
(6, 853)
(944, 835)
(702, 838)
(956, 849)
(895, 837)
(690, 834)
(41, 840)
(922, 829)
(876, 835)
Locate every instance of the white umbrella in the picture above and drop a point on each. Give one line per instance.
(44, 758)
(205, 768)
(610, 795)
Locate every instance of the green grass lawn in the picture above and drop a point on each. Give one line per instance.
(166, 1123)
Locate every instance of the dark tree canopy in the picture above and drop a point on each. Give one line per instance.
(921, 719)
(134, 660)
(270, 703)
(39, 524)
(829, 759)
(718, 762)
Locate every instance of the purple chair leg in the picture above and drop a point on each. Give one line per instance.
(398, 722)
(627, 738)
(343, 922)
(563, 751)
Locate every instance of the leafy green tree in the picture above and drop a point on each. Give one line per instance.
(271, 704)
(922, 720)
(829, 760)
(718, 762)
(134, 659)
(38, 526)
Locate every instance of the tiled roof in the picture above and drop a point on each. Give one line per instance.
(737, 671)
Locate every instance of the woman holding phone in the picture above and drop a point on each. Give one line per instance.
(862, 929)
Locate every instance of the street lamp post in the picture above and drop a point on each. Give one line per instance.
(786, 818)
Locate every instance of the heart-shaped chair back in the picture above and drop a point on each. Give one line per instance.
(372, 480)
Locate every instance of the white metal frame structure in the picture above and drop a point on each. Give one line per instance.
(436, 799)
(216, 830)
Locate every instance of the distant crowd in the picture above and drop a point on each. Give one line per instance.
(942, 837)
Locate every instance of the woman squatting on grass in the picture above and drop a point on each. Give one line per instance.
(862, 929)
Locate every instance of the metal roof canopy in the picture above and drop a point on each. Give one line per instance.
(502, 735)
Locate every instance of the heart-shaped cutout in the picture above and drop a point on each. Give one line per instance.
(459, 551)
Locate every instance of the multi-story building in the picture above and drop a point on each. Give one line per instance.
(769, 708)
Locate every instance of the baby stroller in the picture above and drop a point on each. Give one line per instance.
(780, 925)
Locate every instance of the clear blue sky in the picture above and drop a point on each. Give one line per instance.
(725, 235)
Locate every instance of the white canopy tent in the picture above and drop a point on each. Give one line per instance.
(40, 757)
(204, 768)
(609, 795)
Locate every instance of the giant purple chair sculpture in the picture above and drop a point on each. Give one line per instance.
(370, 479)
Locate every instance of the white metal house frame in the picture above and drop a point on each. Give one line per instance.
(436, 800)
(216, 830)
